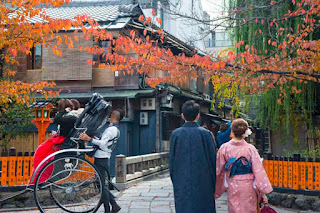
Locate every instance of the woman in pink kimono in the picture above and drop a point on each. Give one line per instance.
(240, 172)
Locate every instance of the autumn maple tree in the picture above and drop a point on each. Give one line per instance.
(277, 45)
(25, 24)
(294, 57)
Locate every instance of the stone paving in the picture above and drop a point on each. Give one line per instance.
(154, 196)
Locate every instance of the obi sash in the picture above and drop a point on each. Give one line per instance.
(240, 166)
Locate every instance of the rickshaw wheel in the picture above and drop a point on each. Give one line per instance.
(72, 184)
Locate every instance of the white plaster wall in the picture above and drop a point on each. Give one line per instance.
(185, 29)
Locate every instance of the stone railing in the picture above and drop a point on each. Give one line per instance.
(130, 168)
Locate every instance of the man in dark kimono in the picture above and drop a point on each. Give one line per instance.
(193, 164)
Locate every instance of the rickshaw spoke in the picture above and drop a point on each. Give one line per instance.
(72, 188)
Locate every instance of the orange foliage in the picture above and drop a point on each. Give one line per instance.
(295, 58)
(292, 59)
(19, 34)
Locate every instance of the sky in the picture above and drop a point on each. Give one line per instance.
(212, 7)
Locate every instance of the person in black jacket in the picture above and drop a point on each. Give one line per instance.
(63, 118)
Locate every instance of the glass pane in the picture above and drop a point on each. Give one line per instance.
(45, 113)
(145, 3)
(95, 56)
(39, 113)
(106, 45)
(37, 56)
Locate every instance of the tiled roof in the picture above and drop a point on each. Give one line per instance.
(100, 10)
(40, 104)
(82, 3)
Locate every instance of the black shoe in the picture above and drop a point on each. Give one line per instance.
(115, 208)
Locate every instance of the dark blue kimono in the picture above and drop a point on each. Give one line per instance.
(193, 169)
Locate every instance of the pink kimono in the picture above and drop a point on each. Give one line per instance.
(244, 190)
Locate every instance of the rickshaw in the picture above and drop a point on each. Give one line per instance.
(65, 181)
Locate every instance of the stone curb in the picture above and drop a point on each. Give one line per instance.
(297, 202)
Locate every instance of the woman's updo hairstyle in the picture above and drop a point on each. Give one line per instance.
(239, 127)
(64, 103)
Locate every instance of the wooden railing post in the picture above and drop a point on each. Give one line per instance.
(317, 173)
(285, 172)
(276, 171)
(12, 166)
(290, 172)
(296, 172)
(19, 169)
(4, 168)
(280, 184)
(121, 169)
(310, 173)
(302, 167)
(26, 168)
(12, 151)
(270, 167)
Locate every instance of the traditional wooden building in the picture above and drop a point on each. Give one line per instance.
(151, 113)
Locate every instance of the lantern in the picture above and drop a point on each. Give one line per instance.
(42, 118)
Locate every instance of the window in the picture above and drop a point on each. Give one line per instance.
(149, 4)
(162, 18)
(107, 46)
(34, 60)
(213, 42)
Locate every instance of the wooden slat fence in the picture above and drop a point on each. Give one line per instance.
(16, 170)
(297, 173)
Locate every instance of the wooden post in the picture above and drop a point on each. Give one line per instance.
(121, 169)
(270, 168)
(4, 153)
(296, 172)
(12, 151)
(310, 173)
(19, 169)
(280, 171)
(317, 173)
(26, 167)
(290, 172)
(4, 169)
(31, 164)
(276, 171)
(265, 163)
(285, 172)
(302, 167)
(12, 167)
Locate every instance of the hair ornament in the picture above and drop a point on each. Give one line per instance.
(247, 133)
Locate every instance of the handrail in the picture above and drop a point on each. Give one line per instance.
(129, 168)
